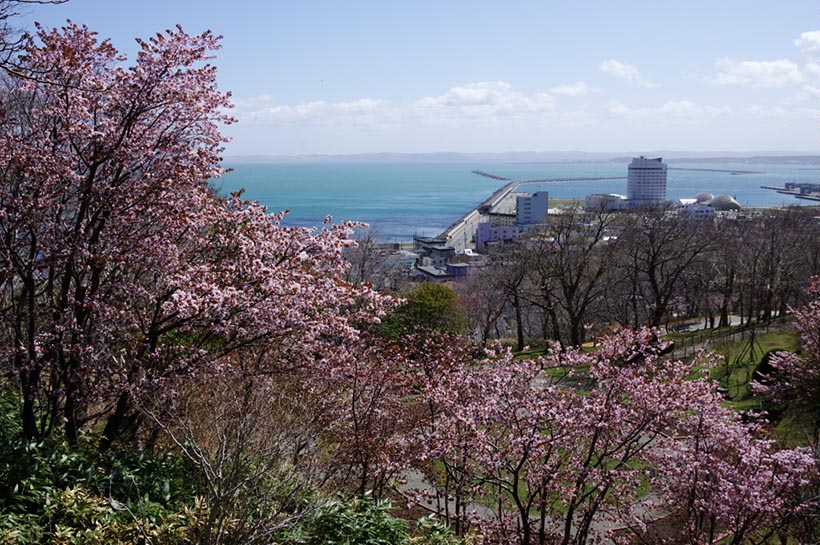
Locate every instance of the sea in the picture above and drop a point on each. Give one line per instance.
(405, 199)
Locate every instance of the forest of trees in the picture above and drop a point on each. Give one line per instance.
(176, 366)
(593, 270)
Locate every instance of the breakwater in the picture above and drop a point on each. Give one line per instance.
(401, 199)
(460, 234)
(587, 179)
(719, 170)
(488, 175)
(811, 194)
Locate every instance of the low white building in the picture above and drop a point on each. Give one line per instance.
(532, 209)
(487, 233)
(697, 211)
(604, 202)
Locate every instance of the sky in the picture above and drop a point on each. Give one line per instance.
(355, 76)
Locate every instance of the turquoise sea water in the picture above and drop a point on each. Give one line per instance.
(402, 199)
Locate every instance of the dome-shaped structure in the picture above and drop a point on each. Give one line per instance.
(703, 197)
(723, 202)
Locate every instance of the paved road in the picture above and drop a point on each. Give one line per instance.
(699, 324)
(460, 234)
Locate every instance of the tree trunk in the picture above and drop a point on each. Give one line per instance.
(519, 326)
(28, 381)
(115, 422)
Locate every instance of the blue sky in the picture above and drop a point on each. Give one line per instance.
(591, 75)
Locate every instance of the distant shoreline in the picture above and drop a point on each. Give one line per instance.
(671, 157)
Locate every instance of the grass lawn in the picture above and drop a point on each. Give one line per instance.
(565, 202)
(742, 357)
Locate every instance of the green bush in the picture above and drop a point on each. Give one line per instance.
(31, 471)
(356, 522)
(428, 306)
(77, 516)
(365, 522)
(431, 531)
(55, 493)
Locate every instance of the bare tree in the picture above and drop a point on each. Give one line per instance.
(724, 267)
(484, 301)
(508, 270)
(12, 37)
(366, 257)
(571, 264)
(656, 249)
(778, 251)
(255, 446)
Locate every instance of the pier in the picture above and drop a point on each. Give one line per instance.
(460, 234)
(488, 175)
(547, 180)
(808, 192)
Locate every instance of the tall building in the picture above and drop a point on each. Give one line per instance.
(646, 181)
(532, 209)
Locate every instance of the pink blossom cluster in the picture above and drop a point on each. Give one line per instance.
(120, 265)
(528, 453)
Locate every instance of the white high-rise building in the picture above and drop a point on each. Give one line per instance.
(646, 181)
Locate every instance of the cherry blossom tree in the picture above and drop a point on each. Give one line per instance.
(120, 267)
(795, 382)
(367, 421)
(796, 378)
(634, 441)
(720, 482)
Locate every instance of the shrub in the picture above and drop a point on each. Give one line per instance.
(356, 522)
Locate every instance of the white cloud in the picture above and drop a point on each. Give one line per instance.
(577, 119)
(362, 112)
(477, 103)
(574, 90)
(812, 71)
(487, 99)
(686, 113)
(618, 109)
(767, 111)
(626, 72)
(258, 101)
(812, 91)
(777, 73)
(808, 42)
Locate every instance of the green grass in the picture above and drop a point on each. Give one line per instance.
(740, 361)
(565, 202)
(794, 429)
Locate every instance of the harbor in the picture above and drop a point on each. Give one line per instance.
(403, 199)
(805, 191)
(460, 234)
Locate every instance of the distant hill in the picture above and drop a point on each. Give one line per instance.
(767, 157)
(812, 160)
